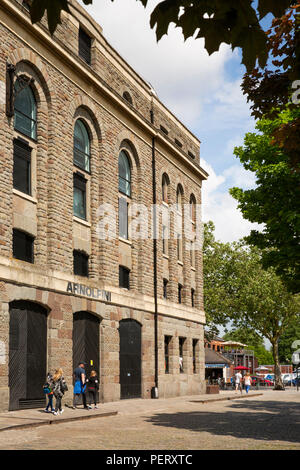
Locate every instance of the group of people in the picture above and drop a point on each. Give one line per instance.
(55, 386)
(239, 380)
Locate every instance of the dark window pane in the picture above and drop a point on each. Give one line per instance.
(193, 297)
(167, 353)
(124, 174)
(165, 288)
(81, 263)
(179, 293)
(85, 43)
(124, 277)
(195, 343)
(25, 110)
(22, 164)
(81, 146)
(79, 196)
(23, 246)
(123, 218)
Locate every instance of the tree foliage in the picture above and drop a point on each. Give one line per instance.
(275, 201)
(289, 336)
(275, 88)
(238, 290)
(233, 22)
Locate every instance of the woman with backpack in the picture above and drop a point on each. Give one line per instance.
(49, 392)
(92, 388)
(59, 388)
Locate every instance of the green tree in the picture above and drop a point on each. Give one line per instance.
(290, 334)
(238, 290)
(274, 202)
(263, 303)
(234, 22)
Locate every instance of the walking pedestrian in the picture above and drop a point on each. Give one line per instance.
(59, 388)
(238, 382)
(92, 388)
(80, 385)
(247, 382)
(49, 392)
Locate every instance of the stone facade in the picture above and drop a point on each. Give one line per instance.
(66, 89)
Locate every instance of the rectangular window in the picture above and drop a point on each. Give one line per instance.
(22, 166)
(181, 354)
(123, 218)
(165, 240)
(193, 297)
(165, 288)
(124, 277)
(167, 354)
(80, 263)
(179, 293)
(85, 43)
(179, 247)
(23, 246)
(79, 196)
(195, 346)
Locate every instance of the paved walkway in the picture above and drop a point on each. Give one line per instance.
(268, 421)
(37, 417)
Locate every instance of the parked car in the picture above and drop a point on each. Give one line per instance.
(261, 381)
(286, 378)
(293, 381)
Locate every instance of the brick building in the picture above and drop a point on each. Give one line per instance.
(82, 133)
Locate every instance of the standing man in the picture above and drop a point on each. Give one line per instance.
(238, 381)
(79, 385)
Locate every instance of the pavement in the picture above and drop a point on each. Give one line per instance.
(21, 419)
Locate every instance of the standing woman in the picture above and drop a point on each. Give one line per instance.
(93, 387)
(247, 382)
(59, 388)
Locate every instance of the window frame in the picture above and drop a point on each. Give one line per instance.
(81, 186)
(87, 144)
(125, 157)
(19, 145)
(84, 46)
(123, 270)
(32, 116)
(84, 258)
(28, 245)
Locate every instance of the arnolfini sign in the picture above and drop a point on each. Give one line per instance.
(93, 292)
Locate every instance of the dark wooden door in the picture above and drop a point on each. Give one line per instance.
(130, 359)
(27, 355)
(86, 345)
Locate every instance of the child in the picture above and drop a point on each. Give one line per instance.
(92, 388)
(59, 388)
(49, 392)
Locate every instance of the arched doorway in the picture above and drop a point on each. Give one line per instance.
(130, 358)
(86, 341)
(27, 354)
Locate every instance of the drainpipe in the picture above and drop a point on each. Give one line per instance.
(154, 391)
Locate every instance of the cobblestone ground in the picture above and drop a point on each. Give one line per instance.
(271, 421)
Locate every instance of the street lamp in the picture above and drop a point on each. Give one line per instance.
(296, 360)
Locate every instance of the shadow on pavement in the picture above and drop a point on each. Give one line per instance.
(267, 421)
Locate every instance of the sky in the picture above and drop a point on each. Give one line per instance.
(202, 91)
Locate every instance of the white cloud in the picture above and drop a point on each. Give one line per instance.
(220, 207)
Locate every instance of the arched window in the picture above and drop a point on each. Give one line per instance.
(179, 198)
(127, 97)
(81, 146)
(124, 174)
(193, 208)
(165, 184)
(25, 110)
